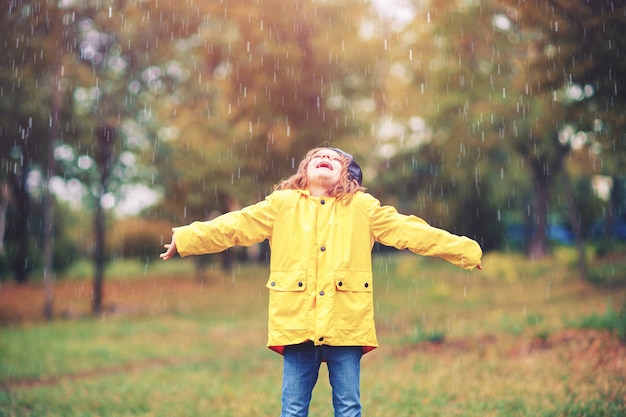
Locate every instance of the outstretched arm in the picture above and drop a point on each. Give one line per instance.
(170, 250)
(410, 232)
(243, 227)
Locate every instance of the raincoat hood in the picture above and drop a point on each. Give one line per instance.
(354, 170)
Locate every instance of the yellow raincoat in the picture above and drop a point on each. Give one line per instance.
(320, 281)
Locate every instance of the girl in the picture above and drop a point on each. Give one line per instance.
(321, 226)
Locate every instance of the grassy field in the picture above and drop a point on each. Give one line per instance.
(505, 341)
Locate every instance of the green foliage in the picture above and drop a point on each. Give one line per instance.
(216, 106)
(602, 247)
(500, 126)
(214, 103)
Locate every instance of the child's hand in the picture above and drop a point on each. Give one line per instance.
(171, 250)
(479, 266)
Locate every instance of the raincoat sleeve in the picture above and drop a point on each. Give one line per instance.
(243, 227)
(410, 232)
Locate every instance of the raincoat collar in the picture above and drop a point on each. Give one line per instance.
(307, 193)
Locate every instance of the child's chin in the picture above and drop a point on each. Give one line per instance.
(326, 176)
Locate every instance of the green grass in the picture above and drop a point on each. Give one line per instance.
(498, 342)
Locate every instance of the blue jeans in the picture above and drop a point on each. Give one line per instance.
(300, 371)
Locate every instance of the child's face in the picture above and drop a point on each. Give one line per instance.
(325, 168)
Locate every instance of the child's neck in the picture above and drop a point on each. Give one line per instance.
(318, 191)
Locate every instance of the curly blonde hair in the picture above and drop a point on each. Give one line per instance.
(344, 189)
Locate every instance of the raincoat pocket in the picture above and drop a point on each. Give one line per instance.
(354, 306)
(288, 307)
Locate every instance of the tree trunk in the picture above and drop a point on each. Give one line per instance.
(22, 204)
(48, 268)
(574, 219)
(5, 194)
(48, 214)
(613, 208)
(538, 247)
(104, 160)
(99, 256)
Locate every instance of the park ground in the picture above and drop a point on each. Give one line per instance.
(519, 338)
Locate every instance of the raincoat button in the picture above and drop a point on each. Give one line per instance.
(323, 202)
(367, 285)
(323, 248)
(273, 284)
(321, 292)
(340, 283)
(299, 284)
(321, 339)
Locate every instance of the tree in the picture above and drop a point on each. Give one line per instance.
(271, 88)
(569, 53)
(27, 79)
(445, 79)
(497, 83)
(125, 63)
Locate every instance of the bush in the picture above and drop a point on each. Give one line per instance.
(611, 320)
(139, 238)
(607, 274)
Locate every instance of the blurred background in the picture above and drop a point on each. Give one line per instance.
(502, 120)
